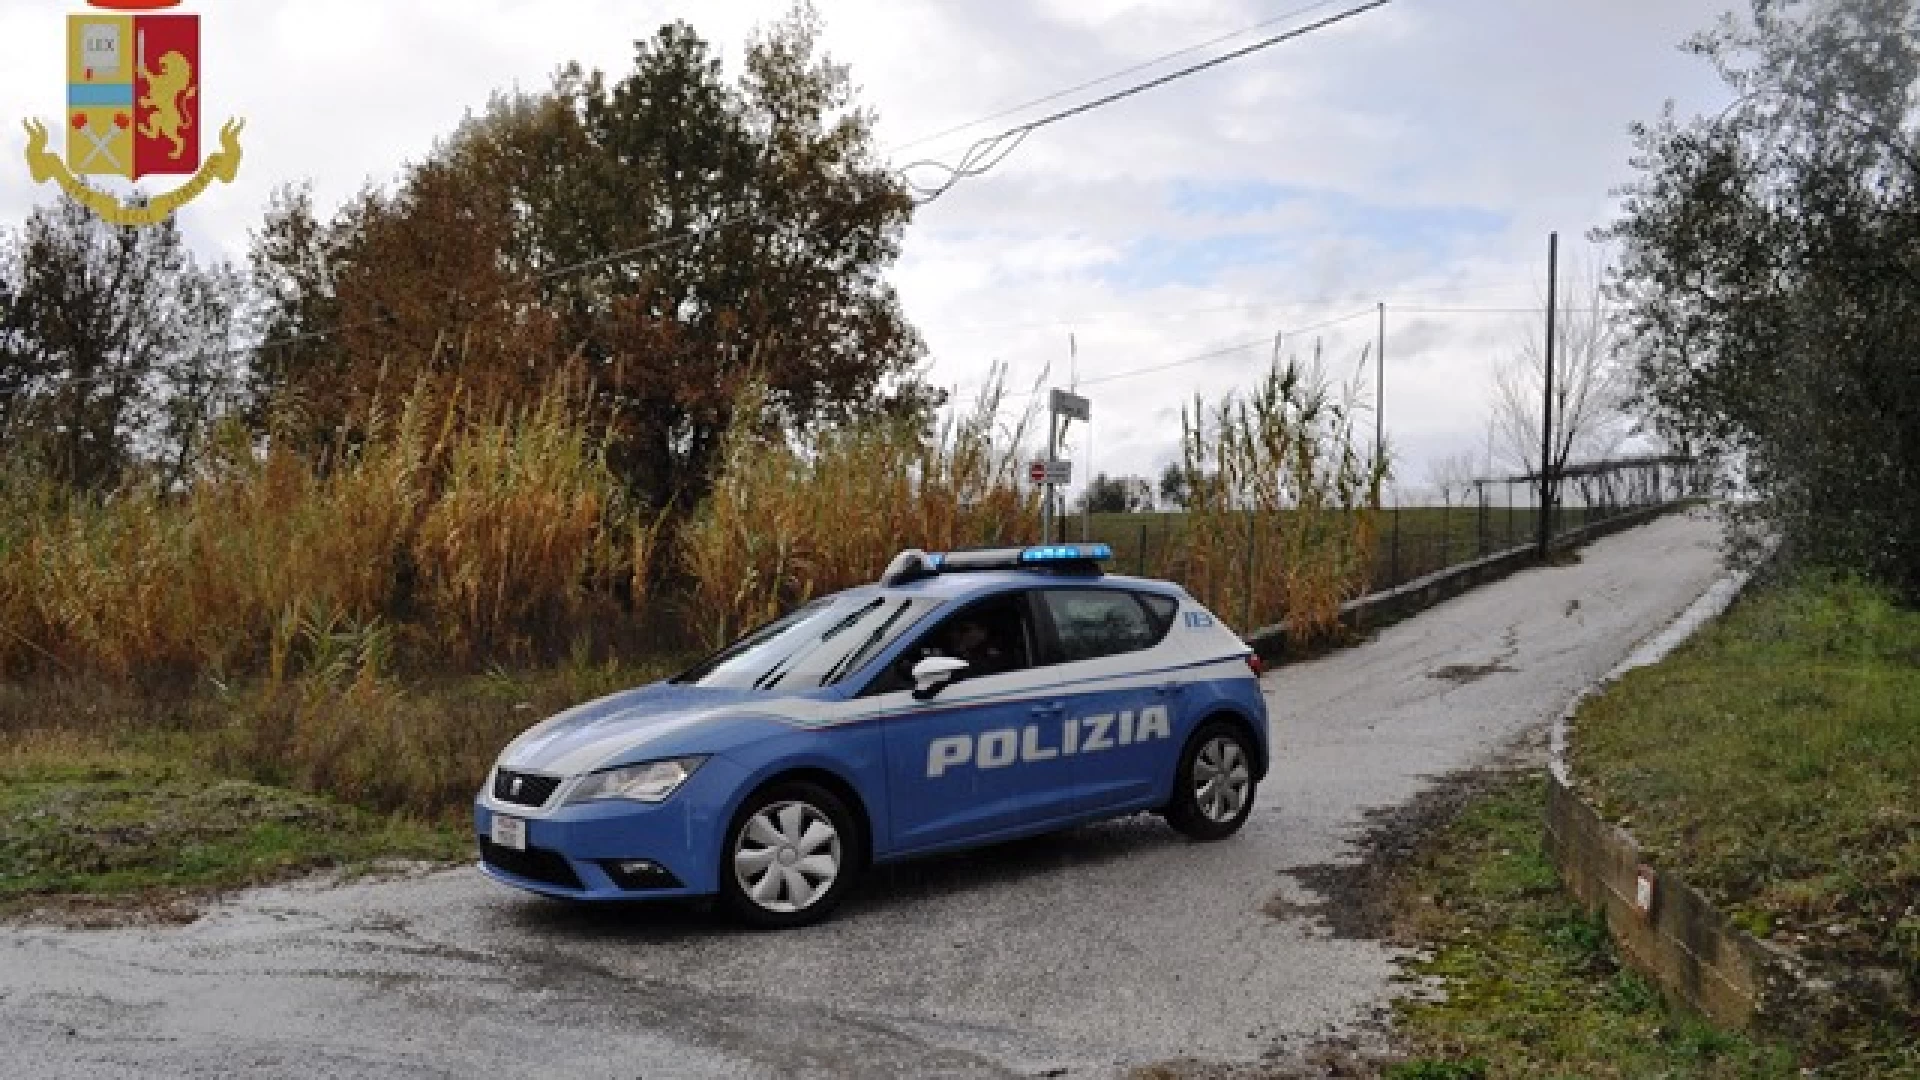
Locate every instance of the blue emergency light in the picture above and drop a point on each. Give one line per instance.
(914, 565)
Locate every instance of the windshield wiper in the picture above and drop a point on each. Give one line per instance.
(779, 671)
(849, 662)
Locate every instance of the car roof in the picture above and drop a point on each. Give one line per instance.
(961, 586)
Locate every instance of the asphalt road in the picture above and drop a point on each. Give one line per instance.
(1073, 955)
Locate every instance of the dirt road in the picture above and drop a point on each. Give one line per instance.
(1073, 955)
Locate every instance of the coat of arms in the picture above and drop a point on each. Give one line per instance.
(133, 110)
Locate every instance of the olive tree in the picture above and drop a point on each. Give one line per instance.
(1770, 271)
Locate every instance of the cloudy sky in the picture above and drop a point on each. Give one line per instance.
(1417, 155)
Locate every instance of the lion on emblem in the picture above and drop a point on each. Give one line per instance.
(167, 95)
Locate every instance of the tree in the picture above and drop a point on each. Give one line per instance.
(1173, 486)
(1116, 495)
(1452, 476)
(112, 346)
(1590, 384)
(1771, 270)
(673, 235)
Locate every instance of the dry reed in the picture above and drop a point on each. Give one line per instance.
(1281, 517)
(789, 520)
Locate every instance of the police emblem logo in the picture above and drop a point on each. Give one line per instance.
(133, 110)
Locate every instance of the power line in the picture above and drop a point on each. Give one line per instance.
(660, 243)
(1213, 354)
(1537, 310)
(1134, 69)
(991, 151)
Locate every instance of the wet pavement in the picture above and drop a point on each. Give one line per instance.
(1079, 954)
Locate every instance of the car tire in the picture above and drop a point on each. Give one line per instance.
(790, 855)
(1214, 788)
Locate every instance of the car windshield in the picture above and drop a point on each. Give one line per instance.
(816, 645)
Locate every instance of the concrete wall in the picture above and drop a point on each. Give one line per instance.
(1681, 941)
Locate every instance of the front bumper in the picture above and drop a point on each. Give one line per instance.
(577, 852)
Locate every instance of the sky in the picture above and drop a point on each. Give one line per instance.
(1416, 156)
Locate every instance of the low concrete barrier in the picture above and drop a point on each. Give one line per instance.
(1664, 927)
(1382, 608)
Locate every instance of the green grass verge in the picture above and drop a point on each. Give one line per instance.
(88, 820)
(106, 791)
(1772, 762)
(1532, 984)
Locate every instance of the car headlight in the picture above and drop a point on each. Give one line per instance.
(648, 783)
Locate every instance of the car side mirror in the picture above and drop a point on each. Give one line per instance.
(930, 676)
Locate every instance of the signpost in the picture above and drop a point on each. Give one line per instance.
(1054, 473)
(1072, 406)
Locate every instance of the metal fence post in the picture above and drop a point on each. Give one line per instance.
(1394, 573)
(1480, 496)
(1247, 604)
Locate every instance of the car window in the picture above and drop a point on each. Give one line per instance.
(992, 636)
(1091, 623)
(1161, 608)
(817, 645)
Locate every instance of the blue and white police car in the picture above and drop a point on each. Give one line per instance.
(964, 699)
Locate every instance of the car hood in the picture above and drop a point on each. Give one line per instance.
(634, 725)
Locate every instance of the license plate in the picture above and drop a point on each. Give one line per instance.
(509, 832)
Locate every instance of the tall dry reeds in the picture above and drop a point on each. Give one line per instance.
(789, 519)
(525, 517)
(471, 534)
(1281, 516)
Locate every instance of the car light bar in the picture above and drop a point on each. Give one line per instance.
(914, 565)
(1066, 553)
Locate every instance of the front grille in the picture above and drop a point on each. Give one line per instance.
(523, 789)
(534, 864)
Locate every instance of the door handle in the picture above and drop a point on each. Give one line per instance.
(1049, 710)
(1166, 688)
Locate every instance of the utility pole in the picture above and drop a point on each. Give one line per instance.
(1546, 406)
(1380, 395)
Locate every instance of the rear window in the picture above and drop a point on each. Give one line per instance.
(1091, 623)
(1161, 608)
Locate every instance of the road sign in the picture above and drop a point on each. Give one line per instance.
(1050, 472)
(1072, 406)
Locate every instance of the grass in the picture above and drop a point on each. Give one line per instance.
(1533, 986)
(113, 792)
(415, 746)
(1772, 763)
(85, 817)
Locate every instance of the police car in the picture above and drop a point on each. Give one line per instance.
(964, 699)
